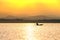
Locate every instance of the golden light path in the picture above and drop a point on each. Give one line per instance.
(30, 32)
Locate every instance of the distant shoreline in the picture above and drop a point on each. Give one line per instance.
(28, 21)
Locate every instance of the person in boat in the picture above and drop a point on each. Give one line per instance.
(39, 24)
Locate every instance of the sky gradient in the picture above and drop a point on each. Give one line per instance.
(30, 7)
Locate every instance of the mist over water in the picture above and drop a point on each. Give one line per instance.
(29, 31)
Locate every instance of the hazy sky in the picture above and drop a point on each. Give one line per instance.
(30, 7)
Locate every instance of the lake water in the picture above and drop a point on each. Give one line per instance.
(29, 31)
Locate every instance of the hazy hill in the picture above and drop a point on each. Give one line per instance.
(41, 17)
(38, 17)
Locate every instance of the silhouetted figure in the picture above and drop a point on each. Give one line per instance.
(36, 23)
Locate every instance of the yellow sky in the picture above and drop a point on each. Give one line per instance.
(30, 7)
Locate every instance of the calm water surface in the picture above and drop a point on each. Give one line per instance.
(29, 31)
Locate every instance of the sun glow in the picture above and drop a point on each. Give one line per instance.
(29, 7)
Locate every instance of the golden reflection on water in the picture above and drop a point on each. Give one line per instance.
(29, 31)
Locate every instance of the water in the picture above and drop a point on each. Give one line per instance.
(29, 31)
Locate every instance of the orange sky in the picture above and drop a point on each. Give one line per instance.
(30, 7)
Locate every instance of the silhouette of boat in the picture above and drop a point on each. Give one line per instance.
(39, 24)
